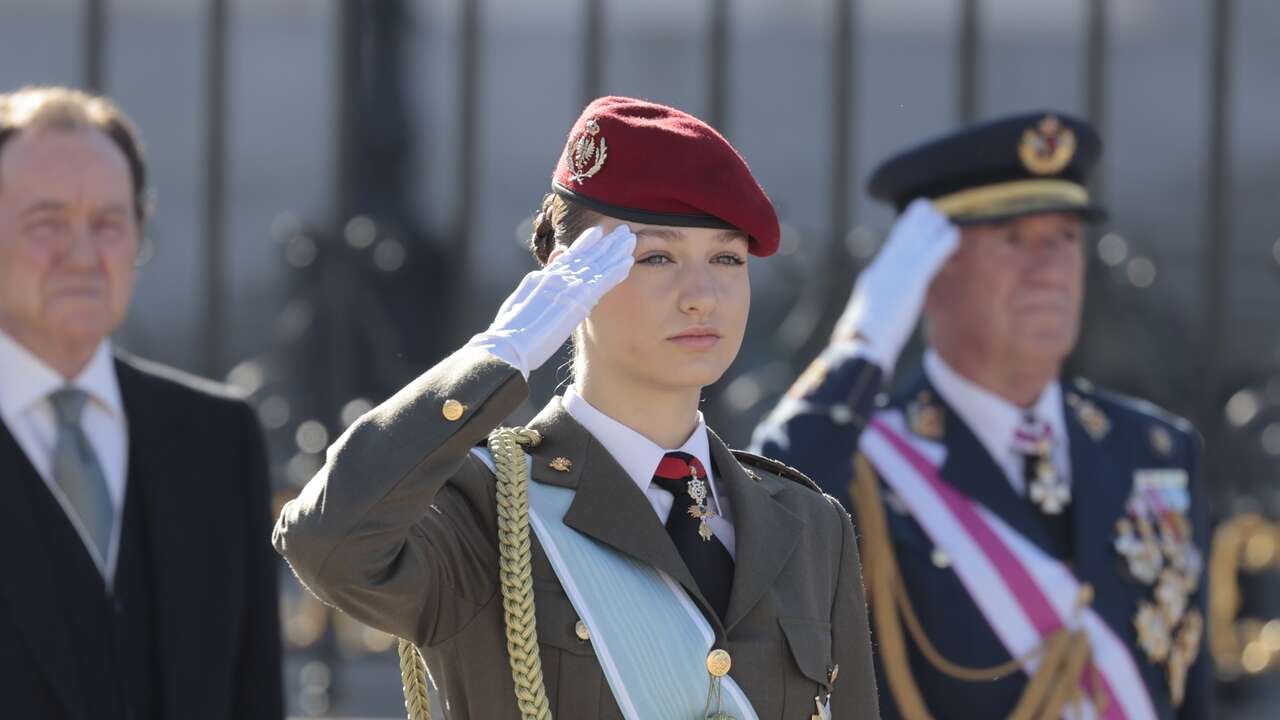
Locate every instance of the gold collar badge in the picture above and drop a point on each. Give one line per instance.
(561, 464)
(586, 156)
(1161, 441)
(1048, 147)
(1094, 421)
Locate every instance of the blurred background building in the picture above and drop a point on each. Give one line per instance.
(345, 189)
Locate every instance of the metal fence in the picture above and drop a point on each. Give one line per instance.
(376, 292)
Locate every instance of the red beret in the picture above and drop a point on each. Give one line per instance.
(649, 163)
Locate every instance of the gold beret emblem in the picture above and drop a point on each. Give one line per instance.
(1048, 147)
(585, 155)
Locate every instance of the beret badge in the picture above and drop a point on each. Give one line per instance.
(1048, 147)
(586, 156)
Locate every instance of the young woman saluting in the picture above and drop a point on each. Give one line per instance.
(614, 558)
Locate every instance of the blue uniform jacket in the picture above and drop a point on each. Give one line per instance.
(816, 429)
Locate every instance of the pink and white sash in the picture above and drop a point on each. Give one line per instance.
(1024, 594)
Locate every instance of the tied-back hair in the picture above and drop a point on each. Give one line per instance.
(558, 222)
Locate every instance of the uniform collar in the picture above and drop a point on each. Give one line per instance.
(25, 379)
(636, 454)
(992, 418)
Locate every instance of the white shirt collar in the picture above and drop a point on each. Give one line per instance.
(25, 379)
(992, 418)
(638, 455)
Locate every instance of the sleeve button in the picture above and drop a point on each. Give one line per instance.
(452, 410)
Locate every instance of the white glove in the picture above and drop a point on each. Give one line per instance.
(889, 295)
(549, 303)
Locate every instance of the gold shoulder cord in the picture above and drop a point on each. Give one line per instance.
(1063, 655)
(516, 579)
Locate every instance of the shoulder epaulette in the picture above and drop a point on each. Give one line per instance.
(1135, 405)
(773, 466)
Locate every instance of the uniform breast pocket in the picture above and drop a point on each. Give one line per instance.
(807, 670)
(574, 680)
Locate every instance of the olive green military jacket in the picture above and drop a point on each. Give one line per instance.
(398, 530)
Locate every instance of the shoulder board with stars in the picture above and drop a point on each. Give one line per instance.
(751, 460)
(1163, 431)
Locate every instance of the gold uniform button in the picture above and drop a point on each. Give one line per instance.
(452, 409)
(580, 629)
(940, 558)
(719, 662)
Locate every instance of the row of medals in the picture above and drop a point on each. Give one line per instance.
(1157, 544)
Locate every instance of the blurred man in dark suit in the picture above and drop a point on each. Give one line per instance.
(136, 579)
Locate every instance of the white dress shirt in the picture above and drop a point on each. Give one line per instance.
(26, 382)
(994, 420)
(639, 457)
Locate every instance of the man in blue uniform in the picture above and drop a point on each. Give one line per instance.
(1033, 546)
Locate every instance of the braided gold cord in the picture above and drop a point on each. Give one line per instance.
(1064, 655)
(515, 575)
(515, 568)
(413, 675)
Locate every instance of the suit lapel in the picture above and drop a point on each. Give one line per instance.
(180, 527)
(766, 533)
(26, 581)
(607, 505)
(971, 470)
(1100, 489)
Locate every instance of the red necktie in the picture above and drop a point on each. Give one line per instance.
(707, 559)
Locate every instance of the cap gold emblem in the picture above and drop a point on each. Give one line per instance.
(586, 156)
(1048, 147)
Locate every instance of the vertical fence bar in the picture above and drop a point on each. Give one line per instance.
(1097, 59)
(1217, 222)
(213, 240)
(967, 63)
(718, 66)
(592, 49)
(839, 267)
(468, 150)
(842, 119)
(94, 32)
(347, 102)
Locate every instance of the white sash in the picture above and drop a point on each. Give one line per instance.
(1023, 593)
(650, 638)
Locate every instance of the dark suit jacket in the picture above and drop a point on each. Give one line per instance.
(817, 429)
(198, 465)
(399, 530)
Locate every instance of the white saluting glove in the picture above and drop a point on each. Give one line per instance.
(890, 293)
(549, 303)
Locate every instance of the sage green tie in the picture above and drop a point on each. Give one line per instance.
(77, 472)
